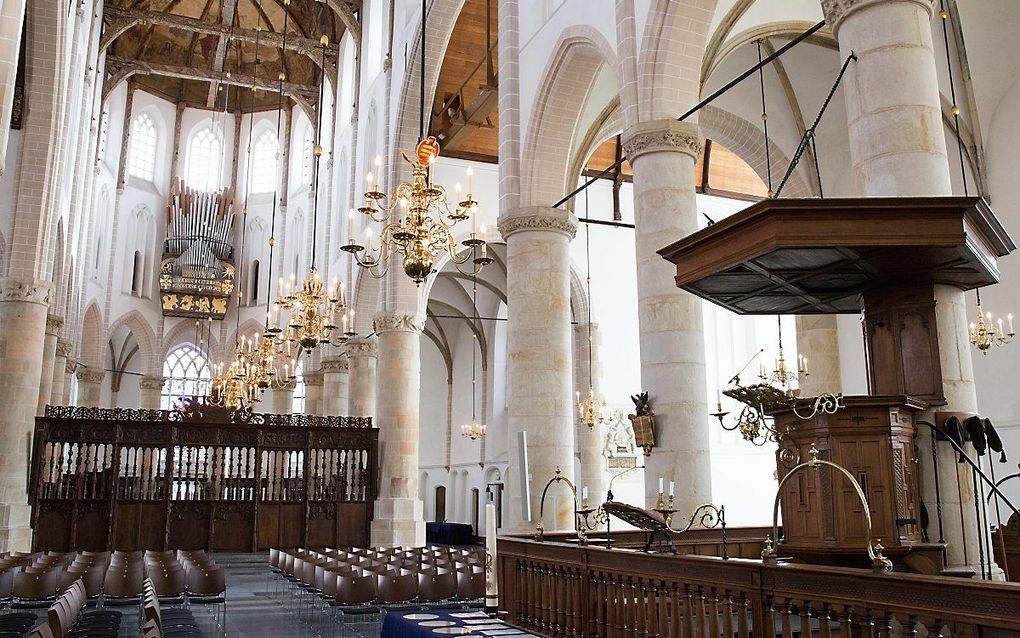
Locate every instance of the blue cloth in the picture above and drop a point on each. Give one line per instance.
(398, 625)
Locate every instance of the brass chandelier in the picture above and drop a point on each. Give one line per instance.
(417, 218)
(474, 428)
(591, 411)
(313, 312)
(985, 332)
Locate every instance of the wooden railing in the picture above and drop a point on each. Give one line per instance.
(151, 479)
(572, 591)
(741, 542)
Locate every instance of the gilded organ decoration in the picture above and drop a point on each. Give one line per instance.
(197, 274)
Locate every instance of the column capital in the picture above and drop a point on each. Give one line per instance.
(34, 291)
(398, 322)
(151, 383)
(663, 136)
(362, 348)
(54, 324)
(538, 218)
(836, 10)
(88, 375)
(64, 348)
(70, 365)
(312, 378)
(339, 364)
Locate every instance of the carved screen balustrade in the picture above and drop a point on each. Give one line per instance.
(150, 479)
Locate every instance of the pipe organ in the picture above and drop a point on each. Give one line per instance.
(197, 270)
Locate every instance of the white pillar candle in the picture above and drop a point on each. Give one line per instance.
(491, 584)
(660, 485)
(671, 485)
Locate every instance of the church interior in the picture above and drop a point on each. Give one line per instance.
(508, 318)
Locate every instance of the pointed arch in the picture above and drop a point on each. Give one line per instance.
(144, 335)
(550, 141)
(93, 337)
(184, 332)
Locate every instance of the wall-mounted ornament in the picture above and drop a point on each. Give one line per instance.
(643, 422)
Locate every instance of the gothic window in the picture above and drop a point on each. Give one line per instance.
(264, 164)
(255, 267)
(205, 160)
(187, 373)
(142, 152)
(299, 390)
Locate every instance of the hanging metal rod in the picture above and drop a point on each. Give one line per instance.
(604, 222)
(463, 318)
(702, 104)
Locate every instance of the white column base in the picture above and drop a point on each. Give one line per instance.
(15, 527)
(398, 522)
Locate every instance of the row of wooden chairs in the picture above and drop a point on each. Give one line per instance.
(358, 586)
(159, 622)
(68, 617)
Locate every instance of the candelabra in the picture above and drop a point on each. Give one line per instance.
(417, 221)
(985, 332)
(591, 411)
(473, 430)
(315, 314)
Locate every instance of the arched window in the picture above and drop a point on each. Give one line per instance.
(187, 373)
(254, 296)
(205, 160)
(265, 164)
(307, 156)
(137, 267)
(142, 152)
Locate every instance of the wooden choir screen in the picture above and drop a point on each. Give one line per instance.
(149, 479)
(556, 589)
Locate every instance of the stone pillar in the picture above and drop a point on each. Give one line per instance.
(69, 369)
(22, 334)
(281, 399)
(898, 149)
(149, 391)
(817, 339)
(49, 353)
(663, 154)
(60, 373)
(398, 510)
(90, 385)
(362, 355)
(591, 442)
(539, 368)
(313, 393)
(335, 379)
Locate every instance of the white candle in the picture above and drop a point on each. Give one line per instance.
(378, 171)
(491, 583)
(368, 240)
(369, 179)
(660, 485)
(584, 493)
(671, 485)
(470, 174)
(1009, 318)
(350, 226)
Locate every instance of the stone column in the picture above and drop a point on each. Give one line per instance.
(663, 154)
(362, 355)
(90, 385)
(817, 339)
(60, 373)
(281, 400)
(539, 368)
(69, 369)
(313, 393)
(49, 353)
(898, 149)
(22, 334)
(335, 379)
(149, 391)
(398, 510)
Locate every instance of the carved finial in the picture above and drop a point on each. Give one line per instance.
(880, 563)
(768, 552)
(813, 456)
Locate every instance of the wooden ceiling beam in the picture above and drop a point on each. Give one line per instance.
(119, 20)
(304, 95)
(227, 15)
